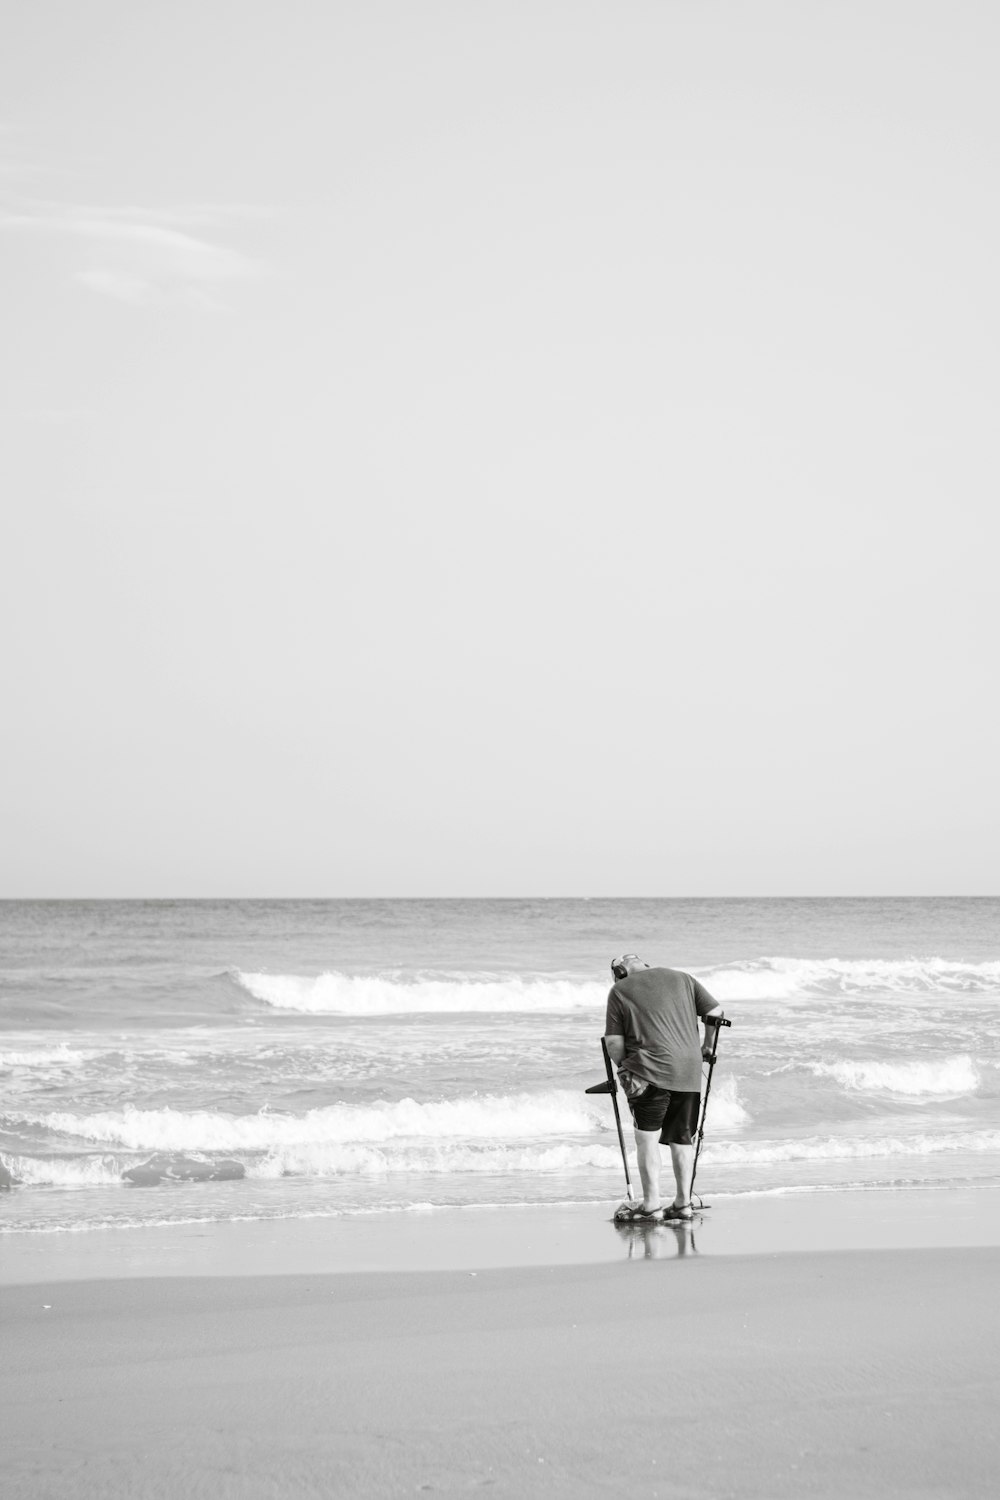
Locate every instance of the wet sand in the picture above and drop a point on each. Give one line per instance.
(670, 1374)
(471, 1239)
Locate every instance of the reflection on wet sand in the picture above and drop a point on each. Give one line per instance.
(661, 1241)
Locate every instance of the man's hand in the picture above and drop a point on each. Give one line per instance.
(711, 1024)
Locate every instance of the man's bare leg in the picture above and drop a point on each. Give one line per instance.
(682, 1159)
(647, 1150)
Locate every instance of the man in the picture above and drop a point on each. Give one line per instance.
(651, 1033)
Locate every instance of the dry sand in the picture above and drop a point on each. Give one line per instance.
(838, 1373)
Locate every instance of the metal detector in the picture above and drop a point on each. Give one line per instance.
(718, 1022)
(610, 1087)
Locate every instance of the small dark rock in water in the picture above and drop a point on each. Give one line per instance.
(6, 1180)
(228, 1171)
(146, 1175)
(183, 1169)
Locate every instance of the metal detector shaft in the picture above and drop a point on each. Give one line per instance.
(610, 1087)
(618, 1119)
(718, 1022)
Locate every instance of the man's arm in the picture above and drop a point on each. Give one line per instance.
(616, 1049)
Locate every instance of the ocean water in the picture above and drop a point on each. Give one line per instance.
(197, 1061)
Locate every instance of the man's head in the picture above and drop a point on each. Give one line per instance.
(626, 964)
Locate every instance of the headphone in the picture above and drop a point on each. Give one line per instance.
(619, 971)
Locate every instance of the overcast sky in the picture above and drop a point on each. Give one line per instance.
(499, 448)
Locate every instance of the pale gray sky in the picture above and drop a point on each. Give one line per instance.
(499, 448)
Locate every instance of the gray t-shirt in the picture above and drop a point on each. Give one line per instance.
(657, 1012)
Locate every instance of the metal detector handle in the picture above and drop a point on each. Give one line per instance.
(717, 1022)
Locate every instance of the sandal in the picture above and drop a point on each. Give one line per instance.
(634, 1213)
(682, 1215)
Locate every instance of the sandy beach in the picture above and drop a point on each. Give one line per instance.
(660, 1369)
(499, 543)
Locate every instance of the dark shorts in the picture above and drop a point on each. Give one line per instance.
(672, 1113)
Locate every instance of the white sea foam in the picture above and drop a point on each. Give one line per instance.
(849, 1148)
(43, 1057)
(59, 1171)
(108, 1170)
(932, 1078)
(334, 993)
(335, 1161)
(726, 1111)
(568, 1157)
(785, 978)
(378, 995)
(484, 1117)
(323, 1159)
(502, 1117)
(407, 1159)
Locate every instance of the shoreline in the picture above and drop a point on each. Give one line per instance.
(474, 1238)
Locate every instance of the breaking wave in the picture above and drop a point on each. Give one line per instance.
(335, 1161)
(946, 1077)
(109, 1170)
(849, 1148)
(355, 1159)
(35, 1171)
(726, 1108)
(319, 1159)
(339, 994)
(785, 978)
(495, 1118)
(504, 1117)
(377, 995)
(45, 1057)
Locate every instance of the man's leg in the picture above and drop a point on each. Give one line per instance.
(647, 1150)
(680, 1127)
(682, 1158)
